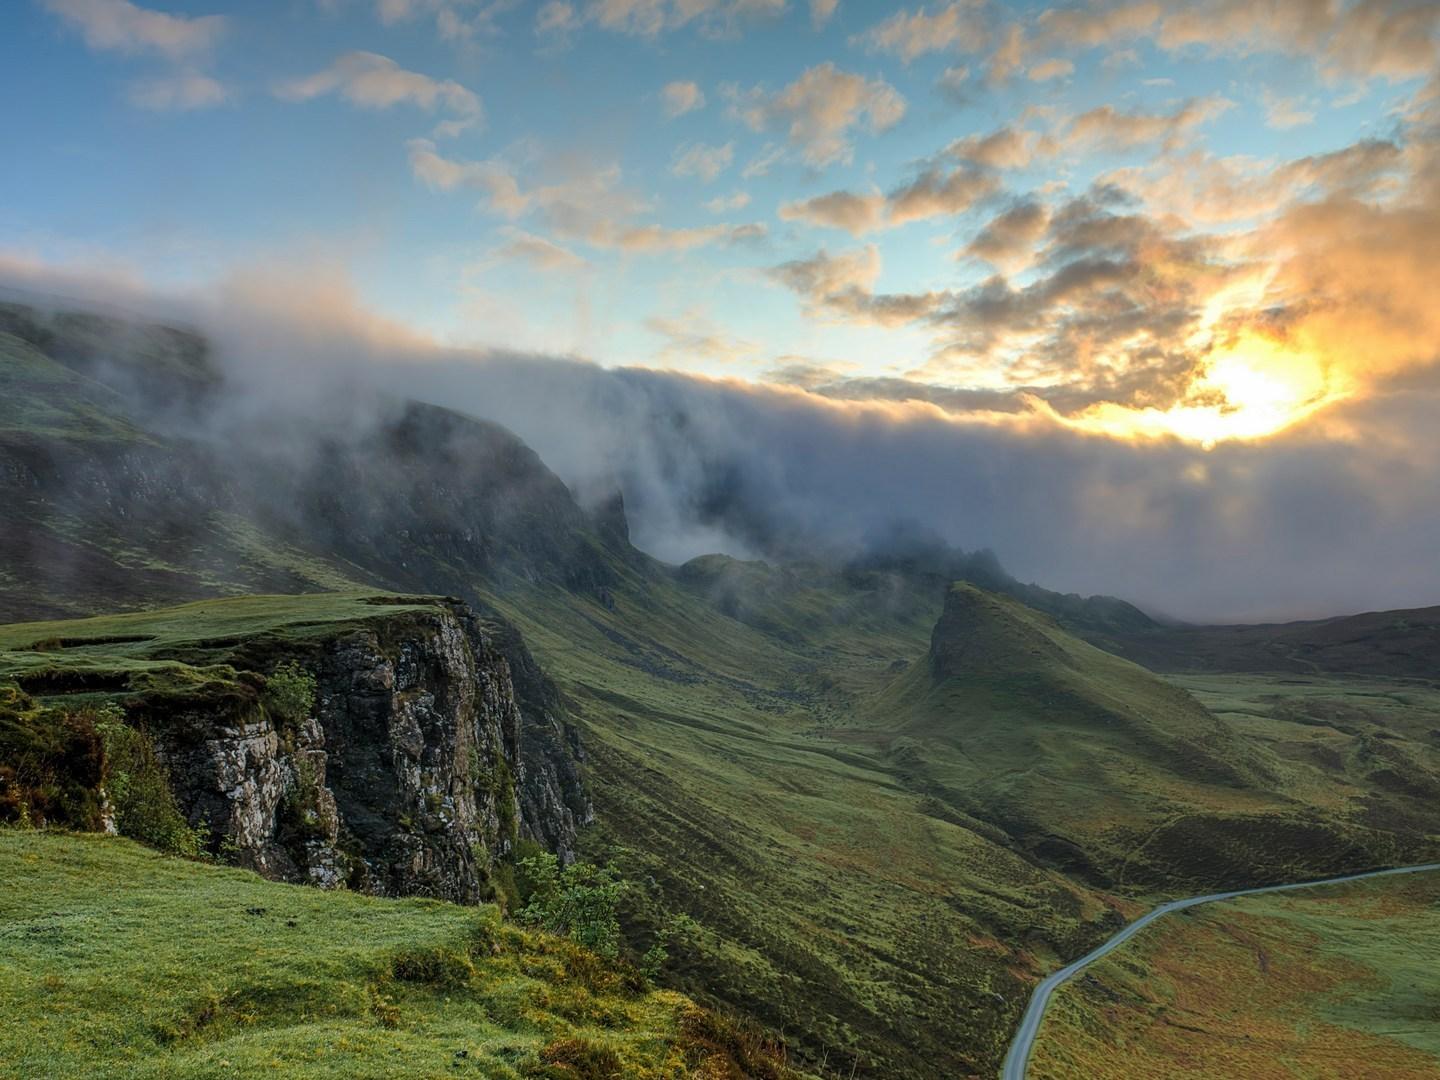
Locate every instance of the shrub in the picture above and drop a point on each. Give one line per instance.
(659, 951)
(51, 764)
(581, 901)
(139, 790)
(290, 693)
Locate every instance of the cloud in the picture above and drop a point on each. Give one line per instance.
(842, 286)
(935, 192)
(820, 109)
(1336, 514)
(125, 27)
(721, 204)
(856, 214)
(1390, 39)
(539, 252)
(1004, 148)
(651, 18)
(372, 81)
(911, 34)
(1007, 57)
(693, 337)
(1045, 70)
(821, 12)
(658, 239)
(493, 179)
(587, 205)
(455, 20)
(556, 18)
(680, 98)
(184, 91)
(1201, 188)
(954, 84)
(703, 162)
(1007, 241)
(1107, 128)
(763, 162)
(1283, 113)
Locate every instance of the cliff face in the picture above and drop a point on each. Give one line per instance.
(404, 781)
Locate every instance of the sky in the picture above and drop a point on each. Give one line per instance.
(1190, 240)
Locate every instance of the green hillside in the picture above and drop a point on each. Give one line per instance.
(119, 962)
(888, 804)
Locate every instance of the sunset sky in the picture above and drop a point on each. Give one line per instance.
(1170, 225)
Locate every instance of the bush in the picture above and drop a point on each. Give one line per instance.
(139, 790)
(581, 901)
(51, 764)
(290, 693)
(659, 951)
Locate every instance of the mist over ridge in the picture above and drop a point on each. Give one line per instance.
(1240, 532)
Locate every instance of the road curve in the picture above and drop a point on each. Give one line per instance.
(1019, 1055)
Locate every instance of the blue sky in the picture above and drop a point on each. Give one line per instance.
(638, 225)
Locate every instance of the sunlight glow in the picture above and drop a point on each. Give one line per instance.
(1251, 389)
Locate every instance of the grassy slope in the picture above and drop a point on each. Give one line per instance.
(119, 962)
(41, 399)
(800, 793)
(1322, 985)
(869, 922)
(175, 648)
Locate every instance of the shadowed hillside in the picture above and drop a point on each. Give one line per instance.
(1401, 643)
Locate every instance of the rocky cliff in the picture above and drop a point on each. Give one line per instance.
(414, 773)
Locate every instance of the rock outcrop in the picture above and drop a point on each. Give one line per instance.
(409, 778)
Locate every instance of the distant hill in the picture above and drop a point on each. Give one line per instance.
(1401, 643)
(1090, 761)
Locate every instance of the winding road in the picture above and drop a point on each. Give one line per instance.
(1019, 1054)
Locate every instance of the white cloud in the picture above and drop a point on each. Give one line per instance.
(911, 34)
(1282, 113)
(680, 98)
(588, 205)
(1054, 68)
(493, 179)
(650, 18)
(723, 204)
(372, 81)
(856, 214)
(704, 162)
(760, 165)
(821, 12)
(125, 27)
(184, 91)
(820, 109)
(953, 83)
(539, 252)
(556, 17)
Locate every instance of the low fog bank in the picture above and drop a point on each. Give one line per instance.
(1339, 516)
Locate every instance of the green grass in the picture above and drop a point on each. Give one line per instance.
(41, 399)
(1332, 983)
(182, 642)
(119, 962)
(880, 861)
(873, 925)
(852, 833)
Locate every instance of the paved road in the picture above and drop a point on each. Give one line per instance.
(1019, 1055)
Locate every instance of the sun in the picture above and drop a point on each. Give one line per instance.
(1250, 389)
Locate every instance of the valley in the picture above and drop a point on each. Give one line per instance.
(888, 791)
